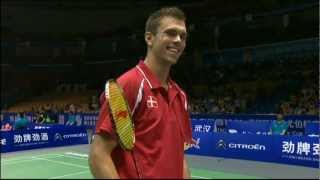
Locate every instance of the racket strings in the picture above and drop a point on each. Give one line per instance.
(121, 116)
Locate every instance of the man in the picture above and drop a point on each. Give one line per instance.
(280, 126)
(21, 122)
(159, 109)
(72, 120)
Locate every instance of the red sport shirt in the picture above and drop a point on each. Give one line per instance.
(161, 122)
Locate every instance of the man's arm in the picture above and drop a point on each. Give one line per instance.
(285, 128)
(186, 170)
(284, 131)
(100, 161)
(271, 129)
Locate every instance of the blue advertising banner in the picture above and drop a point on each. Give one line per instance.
(205, 122)
(299, 150)
(312, 128)
(249, 127)
(203, 125)
(82, 119)
(42, 137)
(294, 150)
(297, 123)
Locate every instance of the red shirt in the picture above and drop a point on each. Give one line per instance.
(161, 122)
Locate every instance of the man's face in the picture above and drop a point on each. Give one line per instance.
(169, 42)
(279, 117)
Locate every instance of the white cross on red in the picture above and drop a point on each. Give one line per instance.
(152, 102)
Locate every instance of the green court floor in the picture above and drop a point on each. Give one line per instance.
(74, 165)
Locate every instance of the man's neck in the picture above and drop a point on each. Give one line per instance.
(161, 70)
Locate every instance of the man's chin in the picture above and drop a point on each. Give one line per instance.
(172, 60)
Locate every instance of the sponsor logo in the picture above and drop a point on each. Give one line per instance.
(3, 142)
(67, 136)
(121, 114)
(221, 144)
(194, 144)
(58, 137)
(258, 147)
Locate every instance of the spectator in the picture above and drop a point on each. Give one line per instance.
(71, 119)
(94, 105)
(72, 116)
(6, 127)
(40, 117)
(46, 119)
(22, 122)
(280, 126)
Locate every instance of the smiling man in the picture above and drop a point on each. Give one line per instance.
(159, 110)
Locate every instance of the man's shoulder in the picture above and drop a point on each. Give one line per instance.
(128, 81)
(177, 86)
(131, 76)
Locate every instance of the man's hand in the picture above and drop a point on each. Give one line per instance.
(186, 170)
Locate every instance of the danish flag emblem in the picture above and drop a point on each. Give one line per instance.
(152, 102)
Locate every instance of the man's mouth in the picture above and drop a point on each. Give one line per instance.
(173, 50)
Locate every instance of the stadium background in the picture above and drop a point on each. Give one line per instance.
(241, 57)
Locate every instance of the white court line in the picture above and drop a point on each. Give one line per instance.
(26, 160)
(77, 154)
(199, 177)
(59, 162)
(59, 177)
(67, 154)
(27, 157)
(75, 157)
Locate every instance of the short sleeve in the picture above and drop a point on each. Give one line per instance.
(187, 127)
(130, 88)
(104, 123)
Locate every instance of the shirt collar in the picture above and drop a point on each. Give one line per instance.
(150, 77)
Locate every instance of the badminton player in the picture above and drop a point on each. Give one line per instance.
(159, 109)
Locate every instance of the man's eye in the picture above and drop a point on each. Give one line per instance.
(172, 33)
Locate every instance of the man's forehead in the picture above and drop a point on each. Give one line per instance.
(172, 23)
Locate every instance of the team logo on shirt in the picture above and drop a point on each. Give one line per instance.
(152, 102)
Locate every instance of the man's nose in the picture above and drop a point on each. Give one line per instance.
(177, 38)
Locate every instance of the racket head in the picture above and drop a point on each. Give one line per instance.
(121, 115)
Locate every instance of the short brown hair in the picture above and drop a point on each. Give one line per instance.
(153, 21)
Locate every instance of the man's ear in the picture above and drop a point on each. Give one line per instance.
(148, 37)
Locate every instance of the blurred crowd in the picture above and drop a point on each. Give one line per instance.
(287, 87)
(304, 102)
